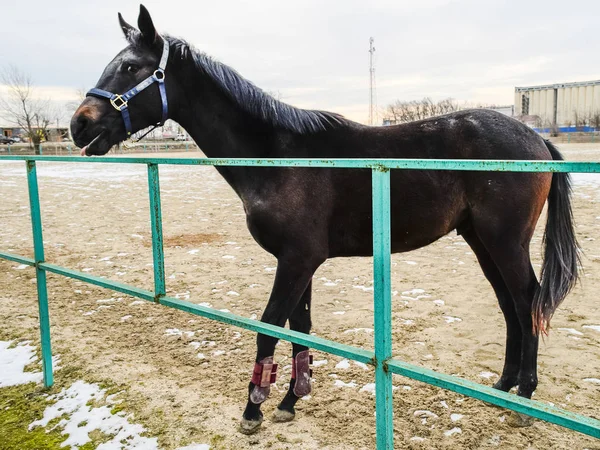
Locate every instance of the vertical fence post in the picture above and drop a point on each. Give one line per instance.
(382, 307)
(42, 290)
(157, 234)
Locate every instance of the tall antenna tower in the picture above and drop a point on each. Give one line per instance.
(372, 98)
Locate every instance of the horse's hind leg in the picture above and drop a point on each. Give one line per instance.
(514, 264)
(510, 251)
(291, 280)
(299, 321)
(512, 359)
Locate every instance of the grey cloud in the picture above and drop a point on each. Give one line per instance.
(315, 52)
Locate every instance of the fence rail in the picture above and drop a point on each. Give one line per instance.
(381, 356)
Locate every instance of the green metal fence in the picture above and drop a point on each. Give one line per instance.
(381, 356)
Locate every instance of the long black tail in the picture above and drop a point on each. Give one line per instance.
(561, 252)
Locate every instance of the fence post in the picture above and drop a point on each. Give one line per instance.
(186, 146)
(42, 290)
(382, 307)
(9, 149)
(157, 234)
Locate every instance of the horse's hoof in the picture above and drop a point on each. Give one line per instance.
(250, 426)
(519, 420)
(281, 415)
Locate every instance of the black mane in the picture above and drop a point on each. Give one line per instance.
(249, 97)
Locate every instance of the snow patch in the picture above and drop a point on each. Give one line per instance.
(343, 364)
(454, 430)
(450, 319)
(369, 387)
(13, 362)
(571, 331)
(414, 292)
(358, 330)
(363, 288)
(340, 383)
(195, 447)
(79, 419)
(487, 375)
(178, 332)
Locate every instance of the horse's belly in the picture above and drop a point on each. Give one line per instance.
(410, 230)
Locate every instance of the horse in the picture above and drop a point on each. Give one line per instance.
(303, 216)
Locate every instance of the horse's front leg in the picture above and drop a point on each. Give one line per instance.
(301, 373)
(291, 280)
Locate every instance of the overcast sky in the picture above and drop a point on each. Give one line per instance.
(315, 53)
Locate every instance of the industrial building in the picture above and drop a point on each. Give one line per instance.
(563, 107)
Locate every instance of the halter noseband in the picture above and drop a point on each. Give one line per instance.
(120, 102)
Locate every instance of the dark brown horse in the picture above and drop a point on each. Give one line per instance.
(304, 216)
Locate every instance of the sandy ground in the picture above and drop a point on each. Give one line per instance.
(187, 376)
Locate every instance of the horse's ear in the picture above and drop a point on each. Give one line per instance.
(146, 26)
(127, 29)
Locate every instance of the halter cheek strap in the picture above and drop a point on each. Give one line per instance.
(121, 102)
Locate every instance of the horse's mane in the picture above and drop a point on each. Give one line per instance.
(249, 97)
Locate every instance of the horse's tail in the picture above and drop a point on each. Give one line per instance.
(561, 251)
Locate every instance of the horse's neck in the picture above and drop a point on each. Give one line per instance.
(224, 130)
(219, 127)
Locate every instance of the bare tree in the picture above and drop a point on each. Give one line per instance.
(79, 97)
(595, 120)
(581, 120)
(21, 107)
(409, 111)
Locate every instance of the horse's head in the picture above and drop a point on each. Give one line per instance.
(131, 93)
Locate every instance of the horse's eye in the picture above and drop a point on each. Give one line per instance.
(133, 68)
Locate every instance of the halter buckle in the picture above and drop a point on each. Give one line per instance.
(118, 106)
(159, 75)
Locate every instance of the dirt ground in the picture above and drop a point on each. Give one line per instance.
(186, 377)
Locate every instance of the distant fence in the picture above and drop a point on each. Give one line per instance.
(573, 138)
(68, 148)
(381, 357)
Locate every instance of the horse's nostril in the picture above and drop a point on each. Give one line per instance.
(79, 124)
(82, 122)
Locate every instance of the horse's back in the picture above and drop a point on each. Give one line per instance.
(468, 134)
(428, 204)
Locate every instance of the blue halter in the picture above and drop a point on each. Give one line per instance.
(119, 102)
